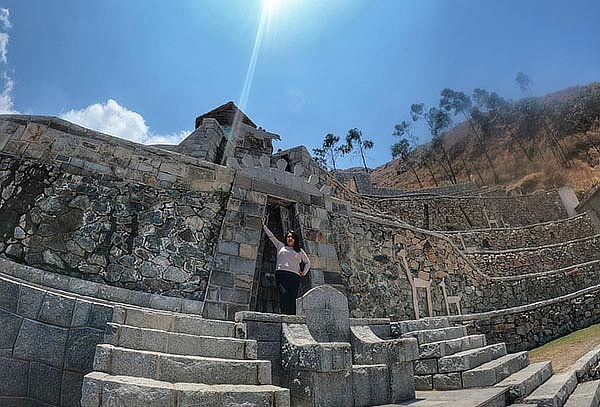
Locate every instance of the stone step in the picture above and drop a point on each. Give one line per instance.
(585, 395)
(402, 327)
(371, 385)
(450, 346)
(438, 334)
(155, 340)
(487, 397)
(102, 390)
(523, 382)
(555, 391)
(470, 359)
(173, 322)
(178, 368)
(494, 371)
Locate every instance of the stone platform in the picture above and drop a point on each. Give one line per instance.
(486, 397)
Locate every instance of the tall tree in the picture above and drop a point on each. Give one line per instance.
(438, 121)
(331, 148)
(460, 102)
(495, 106)
(404, 147)
(524, 82)
(355, 141)
(320, 157)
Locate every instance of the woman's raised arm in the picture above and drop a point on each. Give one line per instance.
(270, 235)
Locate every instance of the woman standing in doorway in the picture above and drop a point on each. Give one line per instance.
(288, 271)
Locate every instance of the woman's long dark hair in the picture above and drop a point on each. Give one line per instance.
(297, 245)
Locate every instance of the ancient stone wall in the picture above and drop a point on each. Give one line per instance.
(374, 257)
(107, 230)
(374, 273)
(78, 150)
(47, 344)
(546, 233)
(505, 292)
(532, 325)
(461, 213)
(537, 259)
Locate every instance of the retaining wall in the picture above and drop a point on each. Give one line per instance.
(111, 231)
(506, 292)
(463, 213)
(537, 259)
(47, 344)
(577, 227)
(529, 326)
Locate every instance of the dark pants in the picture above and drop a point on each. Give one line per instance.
(287, 283)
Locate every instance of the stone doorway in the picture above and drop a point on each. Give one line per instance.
(282, 216)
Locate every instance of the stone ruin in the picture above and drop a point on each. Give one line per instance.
(144, 272)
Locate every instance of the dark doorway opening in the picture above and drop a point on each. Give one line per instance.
(281, 218)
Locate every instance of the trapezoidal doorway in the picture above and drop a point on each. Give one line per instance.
(282, 216)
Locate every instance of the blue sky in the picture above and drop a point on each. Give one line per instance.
(145, 69)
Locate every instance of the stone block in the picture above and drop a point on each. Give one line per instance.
(57, 310)
(81, 314)
(71, 389)
(137, 393)
(143, 339)
(81, 344)
(236, 295)
(100, 314)
(214, 310)
(9, 327)
(423, 383)
(263, 331)
(45, 383)
(14, 376)
(102, 358)
(447, 381)
(240, 265)
(9, 296)
(189, 395)
(332, 388)
(268, 350)
(126, 362)
(248, 251)
(163, 302)
(32, 334)
(222, 279)
(370, 385)
(402, 384)
(426, 366)
(229, 247)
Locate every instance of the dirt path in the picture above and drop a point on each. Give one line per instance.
(563, 352)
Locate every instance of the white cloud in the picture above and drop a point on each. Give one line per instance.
(116, 120)
(171, 138)
(5, 18)
(3, 47)
(6, 102)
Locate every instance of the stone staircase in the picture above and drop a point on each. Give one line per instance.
(152, 358)
(451, 359)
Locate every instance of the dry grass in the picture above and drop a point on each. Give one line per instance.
(564, 351)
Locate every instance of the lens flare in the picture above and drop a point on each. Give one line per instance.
(268, 8)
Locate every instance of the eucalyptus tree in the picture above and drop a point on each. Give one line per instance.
(404, 148)
(460, 103)
(524, 82)
(355, 142)
(496, 107)
(438, 121)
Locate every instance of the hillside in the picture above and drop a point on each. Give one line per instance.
(533, 143)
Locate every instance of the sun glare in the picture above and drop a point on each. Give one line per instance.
(270, 6)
